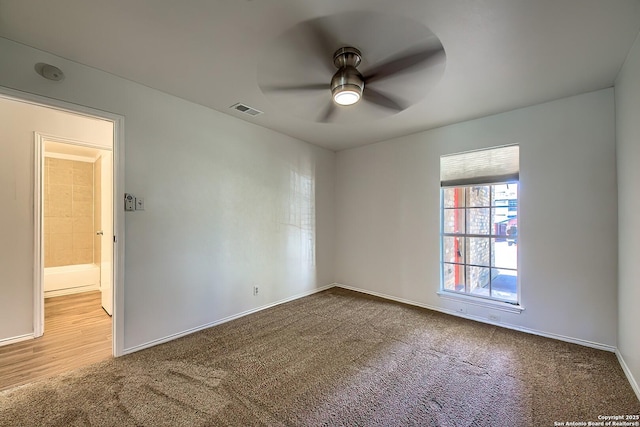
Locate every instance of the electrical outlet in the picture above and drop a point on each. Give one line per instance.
(255, 290)
(494, 317)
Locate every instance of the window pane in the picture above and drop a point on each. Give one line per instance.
(478, 221)
(505, 253)
(453, 197)
(478, 278)
(478, 251)
(478, 195)
(453, 277)
(499, 221)
(454, 220)
(504, 284)
(503, 193)
(504, 214)
(453, 248)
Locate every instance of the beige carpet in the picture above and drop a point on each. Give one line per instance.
(336, 358)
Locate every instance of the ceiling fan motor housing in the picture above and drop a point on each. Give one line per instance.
(347, 78)
(346, 59)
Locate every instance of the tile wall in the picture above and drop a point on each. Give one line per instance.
(68, 212)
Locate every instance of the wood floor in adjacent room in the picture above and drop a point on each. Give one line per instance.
(77, 332)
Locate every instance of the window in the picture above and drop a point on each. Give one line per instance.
(479, 224)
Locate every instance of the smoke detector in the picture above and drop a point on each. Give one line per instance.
(49, 72)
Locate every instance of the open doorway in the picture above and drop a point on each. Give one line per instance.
(74, 173)
(76, 187)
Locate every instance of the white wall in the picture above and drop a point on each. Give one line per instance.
(628, 152)
(223, 204)
(388, 213)
(18, 121)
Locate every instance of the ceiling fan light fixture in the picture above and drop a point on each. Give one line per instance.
(347, 94)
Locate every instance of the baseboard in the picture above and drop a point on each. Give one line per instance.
(13, 340)
(70, 291)
(223, 320)
(627, 372)
(572, 340)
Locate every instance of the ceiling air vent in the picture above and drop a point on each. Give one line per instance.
(245, 109)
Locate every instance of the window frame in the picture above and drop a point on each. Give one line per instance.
(467, 295)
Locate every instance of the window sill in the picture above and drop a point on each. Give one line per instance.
(482, 302)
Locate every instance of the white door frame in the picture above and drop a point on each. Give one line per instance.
(40, 139)
(118, 213)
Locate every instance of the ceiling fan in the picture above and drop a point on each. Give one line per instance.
(348, 86)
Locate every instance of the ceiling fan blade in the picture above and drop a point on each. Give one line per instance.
(284, 88)
(378, 98)
(322, 42)
(404, 63)
(328, 113)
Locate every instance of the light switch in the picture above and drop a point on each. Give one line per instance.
(139, 203)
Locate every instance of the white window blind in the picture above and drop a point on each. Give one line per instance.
(493, 165)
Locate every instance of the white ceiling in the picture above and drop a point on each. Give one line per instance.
(500, 54)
